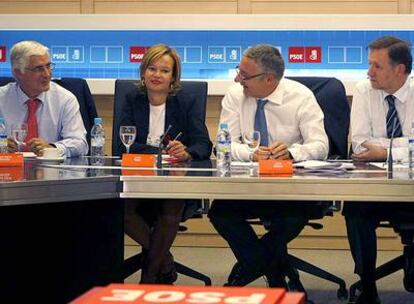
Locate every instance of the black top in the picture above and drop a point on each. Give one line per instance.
(183, 113)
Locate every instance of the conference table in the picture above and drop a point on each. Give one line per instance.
(61, 224)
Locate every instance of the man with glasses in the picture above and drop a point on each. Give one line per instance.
(51, 112)
(291, 126)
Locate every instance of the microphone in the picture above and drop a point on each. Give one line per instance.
(161, 146)
(390, 159)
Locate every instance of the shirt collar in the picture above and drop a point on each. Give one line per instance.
(23, 98)
(276, 96)
(402, 93)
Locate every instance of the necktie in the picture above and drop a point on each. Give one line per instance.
(392, 117)
(32, 105)
(260, 122)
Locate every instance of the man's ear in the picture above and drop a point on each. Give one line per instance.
(17, 74)
(270, 77)
(401, 69)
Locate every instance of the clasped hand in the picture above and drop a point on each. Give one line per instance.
(35, 145)
(277, 150)
(372, 152)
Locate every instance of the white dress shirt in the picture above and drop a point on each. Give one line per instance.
(368, 116)
(58, 117)
(293, 116)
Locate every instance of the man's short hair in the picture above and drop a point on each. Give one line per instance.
(399, 50)
(268, 58)
(22, 51)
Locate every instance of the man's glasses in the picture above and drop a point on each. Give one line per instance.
(42, 68)
(244, 78)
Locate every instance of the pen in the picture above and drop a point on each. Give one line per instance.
(175, 138)
(178, 135)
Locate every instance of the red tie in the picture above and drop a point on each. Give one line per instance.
(32, 105)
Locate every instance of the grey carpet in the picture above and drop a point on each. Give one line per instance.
(217, 263)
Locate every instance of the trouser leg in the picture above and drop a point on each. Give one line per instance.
(282, 230)
(363, 243)
(229, 220)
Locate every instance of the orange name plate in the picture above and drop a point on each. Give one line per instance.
(152, 294)
(11, 160)
(11, 174)
(275, 167)
(138, 160)
(143, 172)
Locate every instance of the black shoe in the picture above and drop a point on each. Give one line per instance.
(167, 278)
(409, 272)
(240, 277)
(276, 280)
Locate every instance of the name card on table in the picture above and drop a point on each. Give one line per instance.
(275, 167)
(131, 172)
(134, 293)
(11, 174)
(11, 160)
(138, 160)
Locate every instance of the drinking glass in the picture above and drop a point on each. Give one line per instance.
(127, 134)
(18, 133)
(252, 140)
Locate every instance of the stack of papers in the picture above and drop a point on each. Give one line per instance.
(324, 167)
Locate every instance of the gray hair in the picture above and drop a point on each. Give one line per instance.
(268, 58)
(22, 51)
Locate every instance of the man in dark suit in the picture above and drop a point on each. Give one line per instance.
(382, 107)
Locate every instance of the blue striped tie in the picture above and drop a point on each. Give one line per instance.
(393, 123)
(260, 122)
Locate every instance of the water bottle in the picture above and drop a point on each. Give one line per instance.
(411, 149)
(3, 136)
(97, 143)
(223, 151)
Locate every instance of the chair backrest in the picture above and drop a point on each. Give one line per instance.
(125, 86)
(331, 96)
(79, 87)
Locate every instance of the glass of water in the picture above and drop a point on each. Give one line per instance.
(252, 140)
(18, 133)
(127, 134)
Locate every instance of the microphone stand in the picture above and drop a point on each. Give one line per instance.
(390, 159)
(160, 147)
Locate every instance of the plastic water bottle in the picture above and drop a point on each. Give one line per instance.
(223, 151)
(411, 149)
(3, 136)
(97, 143)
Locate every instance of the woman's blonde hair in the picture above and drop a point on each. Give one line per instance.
(153, 54)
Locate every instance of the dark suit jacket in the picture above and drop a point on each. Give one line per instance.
(182, 113)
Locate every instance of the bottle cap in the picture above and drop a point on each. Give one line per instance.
(224, 125)
(98, 120)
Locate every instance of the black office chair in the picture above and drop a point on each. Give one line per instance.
(331, 96)
(403, 224)
(79, 87)
(194, 208)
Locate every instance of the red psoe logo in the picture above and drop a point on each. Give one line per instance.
(313, 54)
(296, 54)
(2, 54)
(136, 53)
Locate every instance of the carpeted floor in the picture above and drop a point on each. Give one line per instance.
(217, 263)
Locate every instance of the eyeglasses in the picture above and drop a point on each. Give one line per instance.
(41, 68)
(244, 78)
